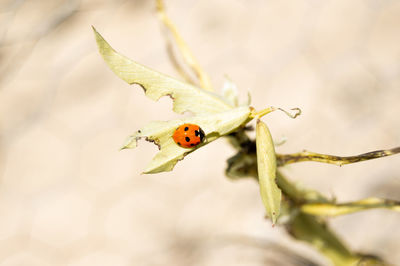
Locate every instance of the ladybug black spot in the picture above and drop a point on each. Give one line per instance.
(192, 144)
(179, 143)
(186, 128)
(187, 139)
(202, 135)
(196, 132)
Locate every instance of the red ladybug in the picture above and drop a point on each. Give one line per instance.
(188, 135)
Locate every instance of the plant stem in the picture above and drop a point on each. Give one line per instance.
(304, 156)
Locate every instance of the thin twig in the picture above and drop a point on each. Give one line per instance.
(176, 64)
(188, 56)
(259, 114)
(335, 209)
(304, 156)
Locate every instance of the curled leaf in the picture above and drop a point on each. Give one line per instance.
(332, 209)
(170, 153)
(266, 165)
(186, 97)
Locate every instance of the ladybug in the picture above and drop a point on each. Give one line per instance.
(188, 135)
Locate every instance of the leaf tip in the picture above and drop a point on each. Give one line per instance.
(130, 143)
(96, 33)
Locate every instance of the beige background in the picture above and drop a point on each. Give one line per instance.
(69, 197)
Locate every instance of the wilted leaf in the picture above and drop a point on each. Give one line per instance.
(185, 96)
(332, 209)
(266, 161)
(242, 165)
(170, 153)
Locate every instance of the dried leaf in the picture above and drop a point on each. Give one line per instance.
(266, 161)
(186, 97)
(170, 153)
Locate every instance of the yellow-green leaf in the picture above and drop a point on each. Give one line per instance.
(266, 165)
(186, 97)
(332, 209)
(170, 153)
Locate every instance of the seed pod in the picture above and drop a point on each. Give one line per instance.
(266, 165)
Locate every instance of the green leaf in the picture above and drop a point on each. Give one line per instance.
(266, 164)
(186, 97)
(332, 209)
(159, 132)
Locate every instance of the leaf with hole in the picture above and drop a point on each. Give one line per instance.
(160, 132)
(185, 97)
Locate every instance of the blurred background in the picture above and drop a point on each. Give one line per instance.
(68, 196)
